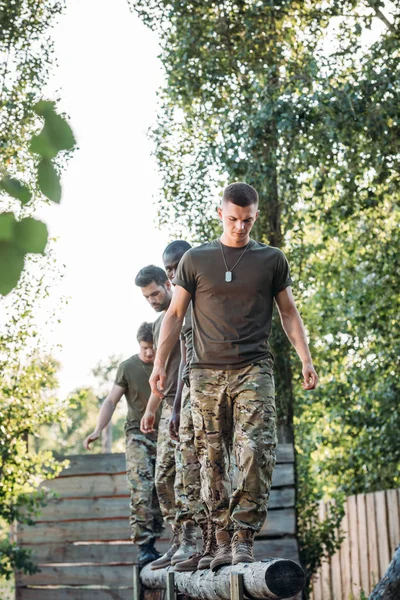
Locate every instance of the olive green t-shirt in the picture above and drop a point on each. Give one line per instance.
(172, 364)
(133, 375)
(187, 337)
(232, 320)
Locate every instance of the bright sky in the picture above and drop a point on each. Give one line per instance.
(108, 74)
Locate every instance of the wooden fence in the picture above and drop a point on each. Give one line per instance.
(371, 529)
(81, 541)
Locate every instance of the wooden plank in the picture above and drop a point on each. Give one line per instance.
(126, 552)
(372, 540)
(325, 570)
(170, 588)
(89, 464)
(279, 522)
(392, 498)
(136, 582)
(344, 555)
(317, 586)
(382, 531)
(281, 548)
(51, 593)
(75, 531)
(336, 578)
(102, 553)
(354, 556)
(113, 576)
(67, 509)
(236, 586)
(363, 543)
(97, 486)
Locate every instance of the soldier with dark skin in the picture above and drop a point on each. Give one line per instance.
(169, 482)
(132, 381)
(233, 283)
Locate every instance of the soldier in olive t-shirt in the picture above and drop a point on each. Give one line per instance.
(133, 375)
(233, 283)
(132, 381)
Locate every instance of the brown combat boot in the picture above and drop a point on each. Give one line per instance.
(165, 559)
(188, 545)
(243, 546)
(209, 545)
(190, 564)
(223, 555)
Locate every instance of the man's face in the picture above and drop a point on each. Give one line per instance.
(171, 262)
(158, 296)
(237, 221)
(147, 352)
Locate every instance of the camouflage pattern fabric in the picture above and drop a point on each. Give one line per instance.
(191, 499)
(146, 519)
(235, 409)
(169, 491)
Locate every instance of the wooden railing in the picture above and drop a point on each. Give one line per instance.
(371, 529)
(81, 541)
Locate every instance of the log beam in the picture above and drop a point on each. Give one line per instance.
(272, 579)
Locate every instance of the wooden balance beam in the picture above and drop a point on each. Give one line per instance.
(269, 579)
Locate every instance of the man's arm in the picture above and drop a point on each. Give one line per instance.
(106, 412)
(149, 417)
(176, 409)
(169, 334)
(293, 327)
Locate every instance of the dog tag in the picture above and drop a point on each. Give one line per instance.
(228, 276)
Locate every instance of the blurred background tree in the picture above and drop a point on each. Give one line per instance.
(300, 99)
(81, 416)
(29, 173)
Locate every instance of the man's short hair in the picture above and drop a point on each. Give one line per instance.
(177, 247)
(149, 274)
(241, 194)
(145, 333)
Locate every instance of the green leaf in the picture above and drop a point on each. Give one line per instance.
(16, 189)
(59, 132)
(56, 134)
(43, 107)
(42, 144)
(11, 265)
(7, 222)
(48, 179)
(31, 235)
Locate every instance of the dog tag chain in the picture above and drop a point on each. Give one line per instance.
(228, 272)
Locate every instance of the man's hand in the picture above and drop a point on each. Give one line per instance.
(147, 422)
(91, 438)
(157, 381)
(174, 426)
(310, 377)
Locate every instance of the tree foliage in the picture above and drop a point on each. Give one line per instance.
(27, 400)
(292, 98)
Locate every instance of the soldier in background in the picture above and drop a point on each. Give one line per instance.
(132, 380)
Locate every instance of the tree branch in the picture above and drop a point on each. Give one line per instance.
(382, 17)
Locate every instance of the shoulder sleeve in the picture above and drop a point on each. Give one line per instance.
(185, 274)
(282, 277)
(120, 378)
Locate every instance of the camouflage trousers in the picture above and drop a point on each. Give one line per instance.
(145, 519)
(168, 479)
(234, 411)
(187, 464)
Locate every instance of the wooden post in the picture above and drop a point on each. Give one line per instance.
(136, 582)
(171, 595)
(236, 586)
